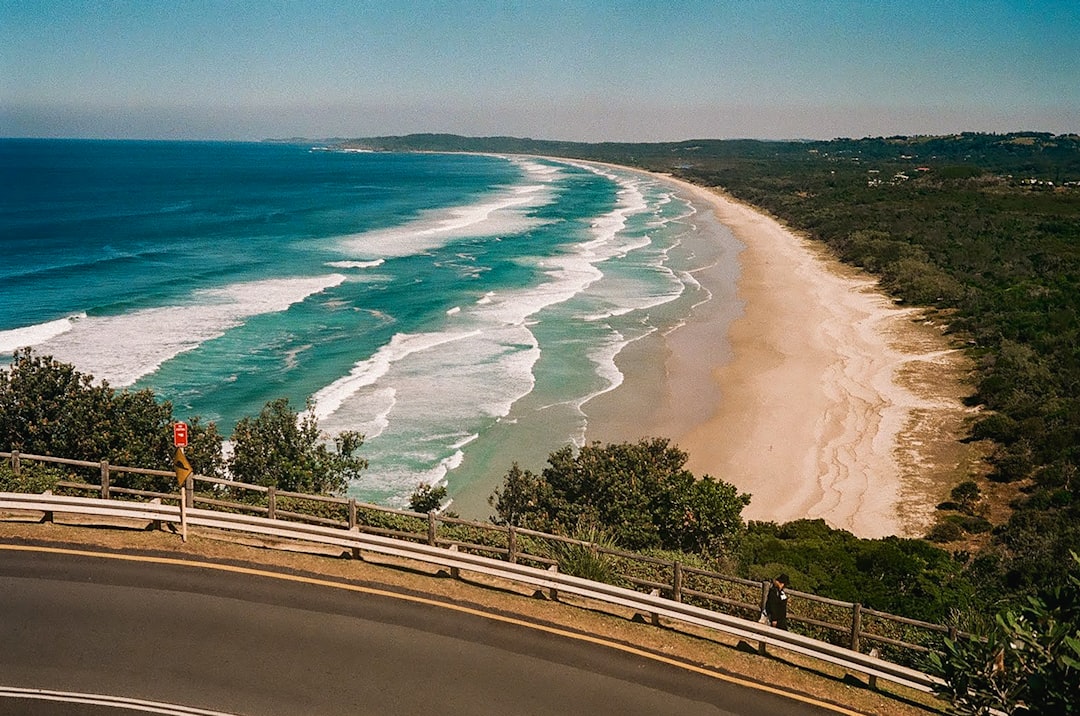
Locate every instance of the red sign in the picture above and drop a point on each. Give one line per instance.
(179, 434)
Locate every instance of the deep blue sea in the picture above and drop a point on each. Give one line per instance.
(459, 310)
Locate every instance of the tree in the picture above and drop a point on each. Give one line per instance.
(639, 493)
(49, 408)
(524, 499)
(427, 498)
(966, 495)
(283, 449)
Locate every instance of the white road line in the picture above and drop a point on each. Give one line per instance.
(154, 707)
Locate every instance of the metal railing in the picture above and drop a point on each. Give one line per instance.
(347, 522)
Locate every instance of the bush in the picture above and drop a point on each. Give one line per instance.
(945, 531)
(971, 524)
(49, 408)
(283, 449)
(1027, 663)
(32, 479)
(586, 561)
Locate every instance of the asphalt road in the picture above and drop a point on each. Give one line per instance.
(248, 643)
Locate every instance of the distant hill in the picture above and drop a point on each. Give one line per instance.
(1039, 154)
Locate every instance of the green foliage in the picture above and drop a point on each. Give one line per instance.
(895, 575)
(204, 448)
(966, 495)
(971, 524)
(584, 561)
(945, 531)
(1028, 663)
(524, 500)
(49, 408)
(427, 498)
(283, 449)
(640, 493)
(32, 478)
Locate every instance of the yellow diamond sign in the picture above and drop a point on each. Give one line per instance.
(183, 467)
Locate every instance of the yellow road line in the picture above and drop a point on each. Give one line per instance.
(435, 603)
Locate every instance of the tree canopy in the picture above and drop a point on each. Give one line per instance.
(283, 449)
(49, 408)
(640, 493)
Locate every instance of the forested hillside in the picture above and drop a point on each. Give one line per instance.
(985, 229)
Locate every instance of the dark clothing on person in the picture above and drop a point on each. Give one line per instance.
(776, 605)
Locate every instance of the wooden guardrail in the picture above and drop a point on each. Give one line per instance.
(844, 624)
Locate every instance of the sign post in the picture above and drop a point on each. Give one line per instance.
(183, 471)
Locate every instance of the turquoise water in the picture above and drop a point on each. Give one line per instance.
(459, 310)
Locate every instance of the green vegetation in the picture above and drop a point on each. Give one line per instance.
(427, 498)
(49, 408)
(1028, 662)
(900, 576)
(282, 449)
(640, 494)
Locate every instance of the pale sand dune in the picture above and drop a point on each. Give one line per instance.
(834, 404)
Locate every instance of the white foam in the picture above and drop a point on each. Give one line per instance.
(356, 264)
(36, 334)
(121, 349)
(504, 212)
(367, 372)
(465, 441)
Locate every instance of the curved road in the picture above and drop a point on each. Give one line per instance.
(215, 638)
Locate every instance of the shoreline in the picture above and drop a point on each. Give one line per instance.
(833, 403)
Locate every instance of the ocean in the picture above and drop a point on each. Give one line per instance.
(458, 310)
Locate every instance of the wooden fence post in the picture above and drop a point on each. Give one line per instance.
(511, 544)
(676, 582)
(104, 479)
(15, 464)
(432, 529)
(184, 509)
(189, 495)
(271, 502)
(856, 625)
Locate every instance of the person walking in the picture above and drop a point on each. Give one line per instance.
(776, 602)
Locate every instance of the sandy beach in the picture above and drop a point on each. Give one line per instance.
(832, 402)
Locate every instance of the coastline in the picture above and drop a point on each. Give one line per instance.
(832, 402)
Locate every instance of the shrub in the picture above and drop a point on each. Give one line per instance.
(1027, 663)
(945, 531)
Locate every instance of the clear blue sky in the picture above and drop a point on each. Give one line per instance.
(592, 70)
